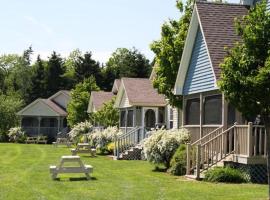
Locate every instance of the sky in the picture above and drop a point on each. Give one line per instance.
(99, 26)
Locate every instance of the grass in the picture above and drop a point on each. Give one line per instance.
(24, 174)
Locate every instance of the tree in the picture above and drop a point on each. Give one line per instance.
(79, 101)
(125, 63)
(245, 77)
(38, 79)
(55, 74)
(108, 115)
(85, 67)
(168, 51)
(16, 75)
(9, 106)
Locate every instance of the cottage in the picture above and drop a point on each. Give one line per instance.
(99, 98)
(216, 127)
(46, 116)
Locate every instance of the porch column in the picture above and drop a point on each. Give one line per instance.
(39, 120)
(183, 111)
(134, 116)
(156, 113)
(58, 124)
(201, 115)
(224, 113)
(143, 115)
(126, 110)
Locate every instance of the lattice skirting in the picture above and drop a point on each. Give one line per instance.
(257, 173)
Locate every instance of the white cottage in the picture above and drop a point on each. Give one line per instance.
(46, 116)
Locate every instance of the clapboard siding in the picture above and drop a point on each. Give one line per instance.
(175, 118)
(268, 5)
(200, 75)
(124, 101)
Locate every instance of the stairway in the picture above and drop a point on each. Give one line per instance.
(134, 153)
(128, 144)
(209, 151)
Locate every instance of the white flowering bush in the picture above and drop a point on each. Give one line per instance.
(162, 144)
(16, 135)
(101, 139)
(80, 129)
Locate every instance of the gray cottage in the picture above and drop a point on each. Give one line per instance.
(46, 116)
(218, 130)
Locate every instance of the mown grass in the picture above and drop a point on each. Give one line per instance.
(24, 174)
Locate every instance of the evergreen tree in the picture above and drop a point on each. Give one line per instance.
(55, 74)
(85, 67)
(38, 80)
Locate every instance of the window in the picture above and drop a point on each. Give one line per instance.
(213, 110)
(130, 118)
(192, 115)
(122, 118)
(171, 118)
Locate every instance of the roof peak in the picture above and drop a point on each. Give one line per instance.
(219, 3)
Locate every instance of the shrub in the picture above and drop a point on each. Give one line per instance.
(226, 174)
(16, 135)
(80, 129)
(162, 144)
(101, 139)
(179, 161)
(110, 147)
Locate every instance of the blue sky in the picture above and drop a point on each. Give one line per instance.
(99, 26)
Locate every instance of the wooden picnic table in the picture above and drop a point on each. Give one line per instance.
(62, 141)
(86, 169)
(84, 148)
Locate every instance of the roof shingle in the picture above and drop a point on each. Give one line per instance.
(100, 97)
(141, 92)
(217, 20)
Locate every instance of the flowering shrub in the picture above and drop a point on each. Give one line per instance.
(80, 129)
(162, 144)
(100, 139)
(16, 135)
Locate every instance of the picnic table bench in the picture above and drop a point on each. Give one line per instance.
(31, 140)
(36, 140)
(86, 169)
(84, 148)
(62, 141)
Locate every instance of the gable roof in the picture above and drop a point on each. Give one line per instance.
(116, 86)
(64, 92)
(97, 100)
(139, 92)
(216, 21)
(58, 111)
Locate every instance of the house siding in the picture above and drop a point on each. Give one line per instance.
(268, 6)
(200, 75)
(124, 101)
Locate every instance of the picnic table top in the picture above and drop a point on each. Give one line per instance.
(83, 144)
(70, 157)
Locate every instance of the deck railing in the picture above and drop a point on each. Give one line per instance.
(240, 140)
(130, 139)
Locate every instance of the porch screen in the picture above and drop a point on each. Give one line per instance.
(130, 118)
(213, 110)
(122, 118)
(193, 112)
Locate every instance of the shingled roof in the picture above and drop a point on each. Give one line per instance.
(54, 107)
(100, 97)
(217, 24)
(140, 92)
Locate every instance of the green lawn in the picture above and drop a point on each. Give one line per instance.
(24, 174)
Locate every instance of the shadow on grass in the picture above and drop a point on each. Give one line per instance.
(159, 169)
(76, 179)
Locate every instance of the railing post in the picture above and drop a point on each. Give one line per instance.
(198, 161)
(188, 159)
(249, 139)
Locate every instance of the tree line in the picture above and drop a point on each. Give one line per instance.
(23, 80)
